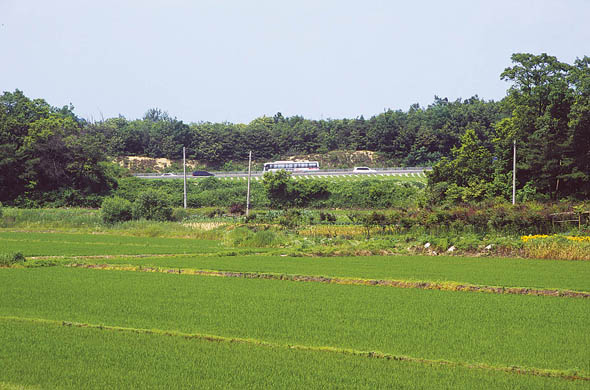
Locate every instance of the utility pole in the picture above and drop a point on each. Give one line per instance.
(249, 175)
(184, 168)
(514, 174)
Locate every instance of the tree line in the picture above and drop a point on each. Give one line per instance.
(48, 151)
(549, 123)
(420, 136)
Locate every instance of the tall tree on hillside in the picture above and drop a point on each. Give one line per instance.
(578, 179)
(17, 112)
(466, 176)
(541, 100)
(260, 137)
(383, 131)
(46, 149)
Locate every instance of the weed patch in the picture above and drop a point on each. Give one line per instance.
(9, 259)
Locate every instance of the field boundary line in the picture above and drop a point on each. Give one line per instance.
(77, 242)
(542, 372)
(13, 386)
(241, 252)
(91, 257)
(423, 285)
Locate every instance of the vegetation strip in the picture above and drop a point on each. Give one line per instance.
(424, 285)
(12, 386)
(137, 256)
(144, 255)
(371, 354)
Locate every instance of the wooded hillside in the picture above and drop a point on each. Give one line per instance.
(546, 111)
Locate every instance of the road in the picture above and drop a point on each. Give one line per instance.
(321, 172)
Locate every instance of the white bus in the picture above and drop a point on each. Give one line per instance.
(291, 166)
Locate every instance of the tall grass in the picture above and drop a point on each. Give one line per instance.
(557, 247)
(51, 218)
(90, 244)
(11, 258)
(244, 237)
(89, 220)
(144, 228)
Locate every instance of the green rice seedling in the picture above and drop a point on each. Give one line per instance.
(425, 285)
(48, 355)
(544, 333)
(79, 244)
(488, 271)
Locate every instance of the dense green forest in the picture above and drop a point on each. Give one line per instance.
(549, 105)
(420, 136)
(48, 152)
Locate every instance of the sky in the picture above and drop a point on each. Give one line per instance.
(236, 60)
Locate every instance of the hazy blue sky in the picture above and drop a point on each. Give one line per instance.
(231, 60)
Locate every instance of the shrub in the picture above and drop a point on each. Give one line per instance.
(115, 210)
(370, 193)
(8, 259)
(327, 217)
(153, 205)
(209, 183)
(237, 236)
(305, 192)
(244, 237)
(278, 188)
(263, 239)
(237, 209)
(216, 213)
(290, 218)
(179, 214)
(194, 201)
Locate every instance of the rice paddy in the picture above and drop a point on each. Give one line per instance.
(488, 271)
(127, 359)
(113, 327)
(71, 244)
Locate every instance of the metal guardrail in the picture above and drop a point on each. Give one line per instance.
(318, 172)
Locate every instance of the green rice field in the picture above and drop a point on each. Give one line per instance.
(77, 244)
(114, 359)
(532, 273)
(69, 327)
